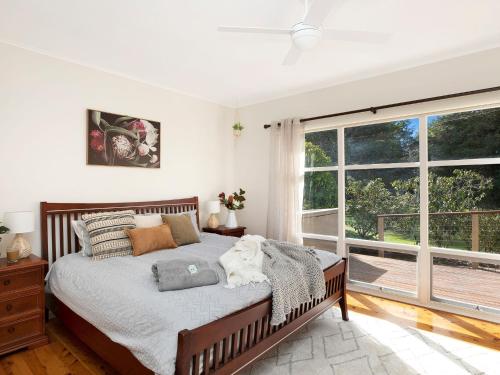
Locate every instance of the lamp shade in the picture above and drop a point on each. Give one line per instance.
(20, 222)
(213, 207)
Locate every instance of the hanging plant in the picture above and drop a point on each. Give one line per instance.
(237, 128)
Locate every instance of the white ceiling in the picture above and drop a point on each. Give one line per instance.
(176, 45)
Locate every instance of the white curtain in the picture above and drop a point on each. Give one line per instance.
(286, 181)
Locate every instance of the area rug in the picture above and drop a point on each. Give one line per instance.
(371, 346)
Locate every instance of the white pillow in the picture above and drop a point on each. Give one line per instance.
(81, 232)
(148, 221)
(153, 220)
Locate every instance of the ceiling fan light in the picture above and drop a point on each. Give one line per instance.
(306, 38)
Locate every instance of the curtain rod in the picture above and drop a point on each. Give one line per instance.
(400, 104)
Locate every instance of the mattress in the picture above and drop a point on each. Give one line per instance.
(120, 297)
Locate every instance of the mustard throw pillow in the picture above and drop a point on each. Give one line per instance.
(182, 229)
(146, 240)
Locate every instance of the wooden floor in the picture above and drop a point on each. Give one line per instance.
(67, 355)
(476, 286)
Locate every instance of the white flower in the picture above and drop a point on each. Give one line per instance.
(122, 147)
(154, 159)
(143, 149)
(151, 133)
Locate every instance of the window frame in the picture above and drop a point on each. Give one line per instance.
(425, 252)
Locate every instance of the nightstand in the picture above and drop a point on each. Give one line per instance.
(22, 309)
(223, 231)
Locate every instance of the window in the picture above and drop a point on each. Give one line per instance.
(384, 269)
(464, 135)
(320, 213)
(390, 142)
(464, 207)
(369, 204)
(466, 282)
(383, 205)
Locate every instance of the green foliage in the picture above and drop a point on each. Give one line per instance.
(320, 188)
(381, 143)
(489, 233)
(233, 201)
(465, 135)
(365, 201)
(325, 152)
(238, 126)
(462, 191)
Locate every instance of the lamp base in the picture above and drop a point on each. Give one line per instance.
(21, 244)
(213, 222)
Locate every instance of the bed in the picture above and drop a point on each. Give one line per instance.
(113, 305)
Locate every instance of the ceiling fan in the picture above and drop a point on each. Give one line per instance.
(306, 34)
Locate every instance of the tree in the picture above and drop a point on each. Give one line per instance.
(365, 200)
(382, 143)
(327, 142)
(462, 191)
(320, 188)
(465, 135)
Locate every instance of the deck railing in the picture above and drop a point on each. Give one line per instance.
(473, 216)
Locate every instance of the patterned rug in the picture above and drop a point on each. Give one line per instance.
(367, 345)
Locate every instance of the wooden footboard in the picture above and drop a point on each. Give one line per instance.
(229, 344)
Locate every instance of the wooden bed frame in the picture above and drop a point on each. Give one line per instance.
(224, 346)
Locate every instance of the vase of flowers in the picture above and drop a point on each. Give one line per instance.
(232, 202)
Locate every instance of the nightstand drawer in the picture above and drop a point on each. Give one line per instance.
(20, 280)
(19, 305)
(21, 330)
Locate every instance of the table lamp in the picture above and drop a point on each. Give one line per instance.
(19, 223)
(213, 210)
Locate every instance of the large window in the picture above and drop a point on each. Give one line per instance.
(320, 215)
(438, 242)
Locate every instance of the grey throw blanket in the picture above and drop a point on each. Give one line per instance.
(183, 273)
(295, 275)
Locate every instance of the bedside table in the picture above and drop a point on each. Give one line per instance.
(22, 306)
(223, 231)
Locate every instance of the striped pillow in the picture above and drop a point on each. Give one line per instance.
(107, 233)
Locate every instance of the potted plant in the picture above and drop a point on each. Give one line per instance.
(232, 202)
(3, 230)
(237, 128)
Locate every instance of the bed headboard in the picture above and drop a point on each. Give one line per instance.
(58, 238)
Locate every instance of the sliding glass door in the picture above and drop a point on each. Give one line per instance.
(413, 202)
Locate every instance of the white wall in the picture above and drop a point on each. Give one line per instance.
(43, 103)
(470, 72)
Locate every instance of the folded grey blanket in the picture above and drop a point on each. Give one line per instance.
(295, 275)
(183, 273)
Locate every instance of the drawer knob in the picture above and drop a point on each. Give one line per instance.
(6, 282)
(11, 330)
(8, 307)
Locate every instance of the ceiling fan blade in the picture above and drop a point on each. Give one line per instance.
(319, 10)
(292, 56)
(356, 36)
(253, 30)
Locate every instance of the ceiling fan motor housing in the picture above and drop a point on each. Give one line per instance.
(305, 37)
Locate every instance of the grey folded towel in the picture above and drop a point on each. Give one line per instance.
(183, 273)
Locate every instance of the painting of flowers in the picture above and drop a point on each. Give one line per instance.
(122, 140)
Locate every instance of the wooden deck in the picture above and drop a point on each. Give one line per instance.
(476, 286)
